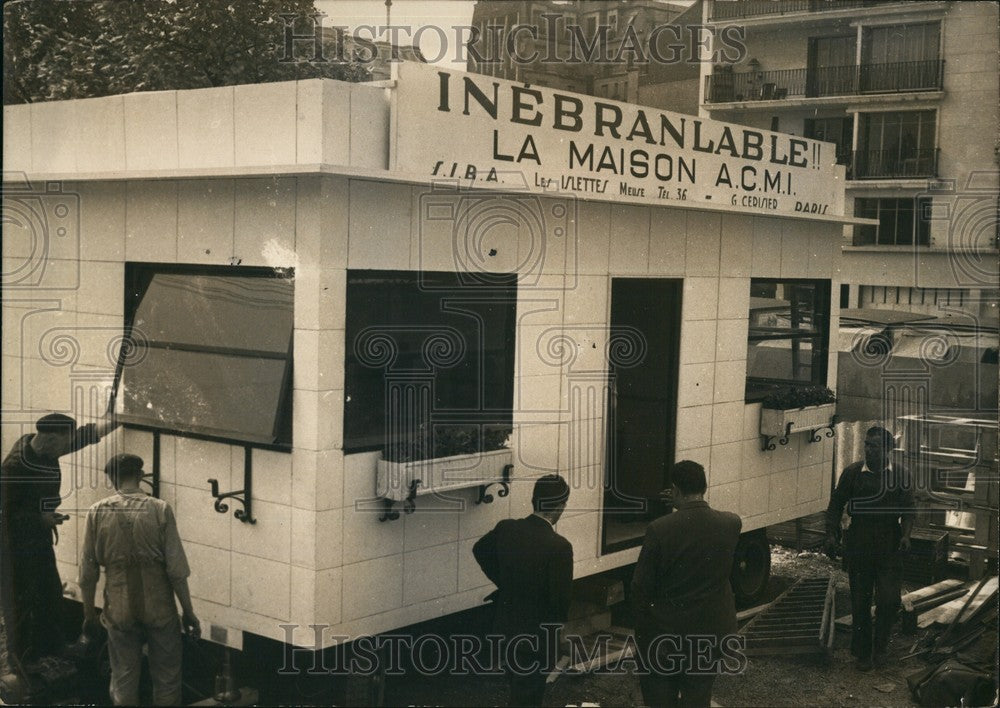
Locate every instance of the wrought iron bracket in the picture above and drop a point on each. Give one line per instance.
(243, 496)
(814, 435)
(504, 490)
(409, 505)
(767, 441)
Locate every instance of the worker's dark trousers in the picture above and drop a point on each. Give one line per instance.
(875, 567)
(682, 690)
(33, 600)
(667, 690)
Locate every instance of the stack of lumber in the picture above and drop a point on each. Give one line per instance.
(918, 604)
(963, 620)
(960, 645)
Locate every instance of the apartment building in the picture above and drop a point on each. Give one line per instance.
(907, 91)
(578, 47)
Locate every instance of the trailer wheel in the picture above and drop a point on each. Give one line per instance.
(751, 567)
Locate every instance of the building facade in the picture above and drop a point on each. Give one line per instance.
(578, 46)
(907, 92)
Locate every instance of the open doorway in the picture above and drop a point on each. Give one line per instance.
(642, 408)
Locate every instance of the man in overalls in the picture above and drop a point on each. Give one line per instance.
(134, 537)
(879, 500)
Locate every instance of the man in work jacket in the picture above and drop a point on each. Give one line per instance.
(879, 500)
(134, 536)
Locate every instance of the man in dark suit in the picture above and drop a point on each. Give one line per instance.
(680, 589)
(532, 567)
(879, 500)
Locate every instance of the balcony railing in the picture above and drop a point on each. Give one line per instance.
(827, 81)
(894, 164)
(733, 9)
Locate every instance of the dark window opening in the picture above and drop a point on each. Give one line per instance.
(208, 353)
(429, 362)
(789, 335)
(901, 222)
(839, 131)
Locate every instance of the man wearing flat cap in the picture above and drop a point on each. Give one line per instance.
(30, 479)
(134, 537)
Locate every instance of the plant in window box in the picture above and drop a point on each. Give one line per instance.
(451, 457)
(796, 409)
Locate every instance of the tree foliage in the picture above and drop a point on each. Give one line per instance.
(62, 49)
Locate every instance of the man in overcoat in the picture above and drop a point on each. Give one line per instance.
(683, 601)
(532, 567)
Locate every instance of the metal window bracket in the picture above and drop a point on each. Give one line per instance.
(814, 435)
(504, 490)
(243, 496)
(409, 506)
(767, 441)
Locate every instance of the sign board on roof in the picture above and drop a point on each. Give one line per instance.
(484, 131)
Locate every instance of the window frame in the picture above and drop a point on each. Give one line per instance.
(132, 299)
(906, 143)
(920, 231)
(757, 388)
(475, 291)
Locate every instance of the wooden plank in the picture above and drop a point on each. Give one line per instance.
(948, 611)
(932, 590)
(833, 612)
(826, 610)
(752, 612)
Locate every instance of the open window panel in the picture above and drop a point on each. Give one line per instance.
(208, 353)
(789, 335)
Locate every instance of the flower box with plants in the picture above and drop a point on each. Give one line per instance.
(456, 457)
(793, 410)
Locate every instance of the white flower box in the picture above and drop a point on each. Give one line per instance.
(394, 479)
(776, 422)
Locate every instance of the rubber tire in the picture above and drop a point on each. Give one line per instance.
(751, 567)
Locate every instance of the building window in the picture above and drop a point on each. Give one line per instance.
(901, 222)
(789, 335)
(896, 144)
(612, 23)
(839, 131)
(427, 353)
(901, 43)
(210, 353)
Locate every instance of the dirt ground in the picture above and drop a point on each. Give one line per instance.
(805, 680)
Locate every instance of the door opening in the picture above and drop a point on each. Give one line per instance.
(642, 408)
